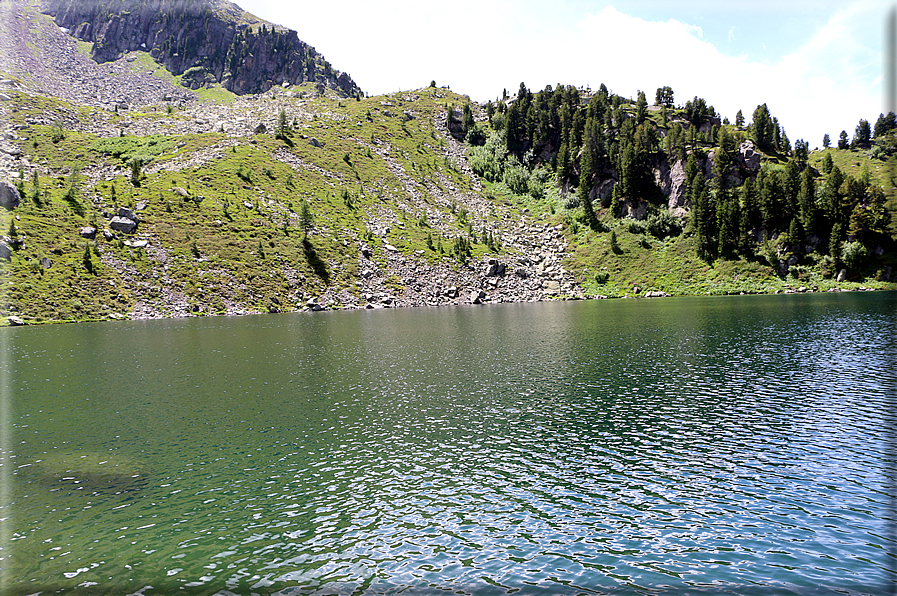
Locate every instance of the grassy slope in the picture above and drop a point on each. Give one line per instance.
(239, 215)
(234, 236)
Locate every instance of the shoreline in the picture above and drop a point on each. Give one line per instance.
(313, 305)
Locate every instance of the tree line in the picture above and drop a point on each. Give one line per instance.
(602, 151)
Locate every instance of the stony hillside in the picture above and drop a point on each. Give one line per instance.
(206, 42)
(127, 194)
(357, 203)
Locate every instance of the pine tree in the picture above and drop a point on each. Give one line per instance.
(807, 199)
(739, 119)
(842, 140)
(641, 108)
(862, 135)
(764, 129)
(306, 219)
(826, 141)
(587, 170)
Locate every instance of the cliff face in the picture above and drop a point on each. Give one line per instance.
(207, 41)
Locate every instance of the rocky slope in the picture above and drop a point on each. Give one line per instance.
(212, 222)
(206, 41)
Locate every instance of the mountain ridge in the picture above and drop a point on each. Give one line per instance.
(207, 41)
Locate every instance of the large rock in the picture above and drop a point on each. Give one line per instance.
(124, 225)
(127, 213)
(5, 251)
(494, 268)
(749, 158)
(9, 195)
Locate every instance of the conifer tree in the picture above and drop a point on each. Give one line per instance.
(842, 140)
(641, 108)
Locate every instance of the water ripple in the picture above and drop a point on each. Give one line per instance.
(726, 450)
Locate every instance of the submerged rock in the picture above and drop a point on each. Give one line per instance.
(92, 472)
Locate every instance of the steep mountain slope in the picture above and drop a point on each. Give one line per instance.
(206, 41)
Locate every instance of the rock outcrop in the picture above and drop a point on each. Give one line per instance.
(207, 41)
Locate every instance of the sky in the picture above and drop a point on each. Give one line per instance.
(818, 65)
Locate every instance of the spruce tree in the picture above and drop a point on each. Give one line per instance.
(842, 140)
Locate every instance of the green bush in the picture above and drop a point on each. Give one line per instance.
(516, 177)
(635, 226)
(662, 225)
(128, 148)
(536, 184)
(853, 254)
(487, 161)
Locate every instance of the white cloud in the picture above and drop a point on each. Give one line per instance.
(828, 84)
(480, 47)
(732, 34)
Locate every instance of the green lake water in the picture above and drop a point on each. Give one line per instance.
(739, 445)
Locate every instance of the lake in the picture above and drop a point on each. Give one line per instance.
(739, 445)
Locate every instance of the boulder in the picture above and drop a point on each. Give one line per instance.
(494, 268)
(260, 129)
(5, 251)
(315, 142)
(15, 321)
(123, 224)
(46, 263)
(9, 195)
(842, 275)
(89, 232)
(127, 213)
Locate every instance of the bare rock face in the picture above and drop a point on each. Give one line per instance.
(207, 41)
(749, 158)
(677, 186)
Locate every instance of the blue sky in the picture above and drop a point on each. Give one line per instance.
(817, 65)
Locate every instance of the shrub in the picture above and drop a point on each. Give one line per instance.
(662, 225)
(488, 161)
(635, 226)
(853, 254)
(475, 136)
(536, 184)
(516, 177)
